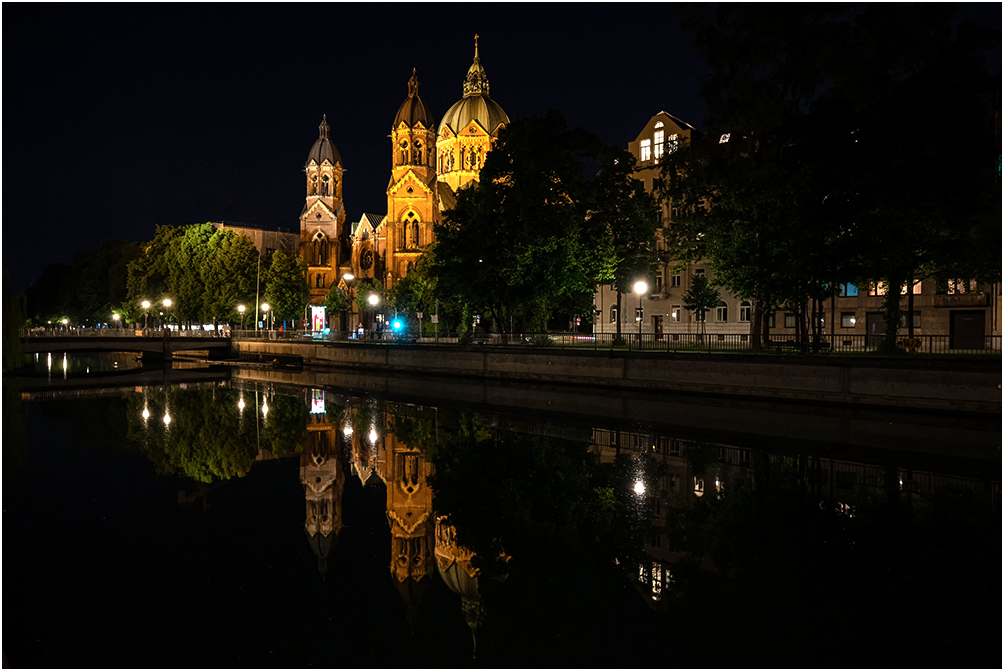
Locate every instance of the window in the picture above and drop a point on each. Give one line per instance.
(698, 271)
(847, 320)
(676, 280)
(722, 312)
(673, 143)
(646, 150)
(658, 281)
(820, 320)
(916, 320)
(961, 286)
(324, 185)
(639, 314)
(613, 314)
(882, 288)
(660, 143)
(675, 313)
(771, 320)
(847, 290)
(789, 320)
(659, 124)
(744, 311)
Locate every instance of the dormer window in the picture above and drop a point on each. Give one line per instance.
(646, 150)
(659, 124)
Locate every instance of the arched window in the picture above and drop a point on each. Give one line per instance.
(317, 280)
(413, 239)
(744, 311)
(613, 314)
(313, 185)
(324, 185)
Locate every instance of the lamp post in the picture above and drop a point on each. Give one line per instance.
(146, 312)
(115, 318)
(241, 309)
(640, 288)
(167, 308)
(264, 309)
(374, 300)
(349, 283)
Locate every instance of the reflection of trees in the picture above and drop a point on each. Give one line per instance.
(209, 438)
(542, 497)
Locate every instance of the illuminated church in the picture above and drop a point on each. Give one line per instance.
(429, 165)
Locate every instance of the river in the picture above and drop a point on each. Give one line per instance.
(196, 517)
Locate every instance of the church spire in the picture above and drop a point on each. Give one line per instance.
(324, 128)
(476, 82)
(413, 84)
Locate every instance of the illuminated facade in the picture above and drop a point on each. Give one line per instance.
(323, 480)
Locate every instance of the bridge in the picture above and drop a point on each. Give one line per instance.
(153, 344)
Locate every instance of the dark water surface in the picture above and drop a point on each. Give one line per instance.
(325, 525)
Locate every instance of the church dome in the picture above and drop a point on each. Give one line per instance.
(476, 105)
(324, 148)
(413, 109)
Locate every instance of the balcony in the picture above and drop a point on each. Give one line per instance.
(971, 300)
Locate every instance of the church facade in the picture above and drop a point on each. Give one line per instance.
(429, 164)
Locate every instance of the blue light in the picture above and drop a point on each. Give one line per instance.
(396, 324)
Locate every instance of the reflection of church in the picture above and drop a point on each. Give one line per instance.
(428, 166)
(323, 482)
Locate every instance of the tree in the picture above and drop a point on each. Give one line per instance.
(364, 289)
(700, 298)
(229, 274)
(335, 301)
(626, 218)
(516, 245)
(286, 288)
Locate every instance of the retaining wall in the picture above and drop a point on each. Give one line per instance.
(955, 385)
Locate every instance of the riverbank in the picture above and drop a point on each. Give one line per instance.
(956, 386)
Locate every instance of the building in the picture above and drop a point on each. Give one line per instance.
(960, 309)
(660, 311)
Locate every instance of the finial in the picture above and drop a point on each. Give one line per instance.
(475, 45)
(476, 81)
(324, 127)
(413, 83)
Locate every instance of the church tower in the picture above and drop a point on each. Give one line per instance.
(323, 481)
(467, 131)
(323, 217)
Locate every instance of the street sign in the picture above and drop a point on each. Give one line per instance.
(419, 315)
(435, 319)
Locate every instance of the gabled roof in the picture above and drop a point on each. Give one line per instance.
(414, 178)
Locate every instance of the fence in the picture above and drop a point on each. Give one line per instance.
(649, 342)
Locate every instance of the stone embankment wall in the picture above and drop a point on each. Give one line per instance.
(956, 385)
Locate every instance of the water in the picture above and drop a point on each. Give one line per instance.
(263, 519)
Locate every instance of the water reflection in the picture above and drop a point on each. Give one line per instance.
(474, 498)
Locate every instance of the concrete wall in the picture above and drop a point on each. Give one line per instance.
(967, 386)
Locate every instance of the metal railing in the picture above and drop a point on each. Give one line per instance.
(648, 342)
(78, 332)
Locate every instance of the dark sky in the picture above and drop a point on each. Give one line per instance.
(122, 117)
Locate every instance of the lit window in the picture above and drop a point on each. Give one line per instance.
(659, 124)
(725, 138)
(789, 320)
(961, 286)
(699, 486)
(675, 313)
(847, 320)
(660, 143)
(847, 290)
(744, 311)
(646, 150)
(673, 143)
(722, 312)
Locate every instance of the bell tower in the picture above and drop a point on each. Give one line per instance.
(412, 203)
(323, 217)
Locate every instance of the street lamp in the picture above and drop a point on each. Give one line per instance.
(146, 312)
(640, 288)
(349, 279)
(241, 309)
(167, 308)
(115, 318)
(374, 300)
(264, 309)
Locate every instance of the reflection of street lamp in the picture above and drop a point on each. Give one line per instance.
(241, 309)
(639, 288)
(264, 408)
(146, 312)
(639, 487)
(240, 404)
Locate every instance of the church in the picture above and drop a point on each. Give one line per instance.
(429, 165)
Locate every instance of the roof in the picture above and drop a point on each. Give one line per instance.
(447, 200)
(413, 110)
(324, 148)
(476, 105)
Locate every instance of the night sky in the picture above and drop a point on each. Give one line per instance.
(122, 117)
(119, 118)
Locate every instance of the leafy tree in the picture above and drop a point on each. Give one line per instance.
(364, 288)
(229, 275)
(700, 298)
(148, 276)
(516, 244)
(626, 218)
(286, 288)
